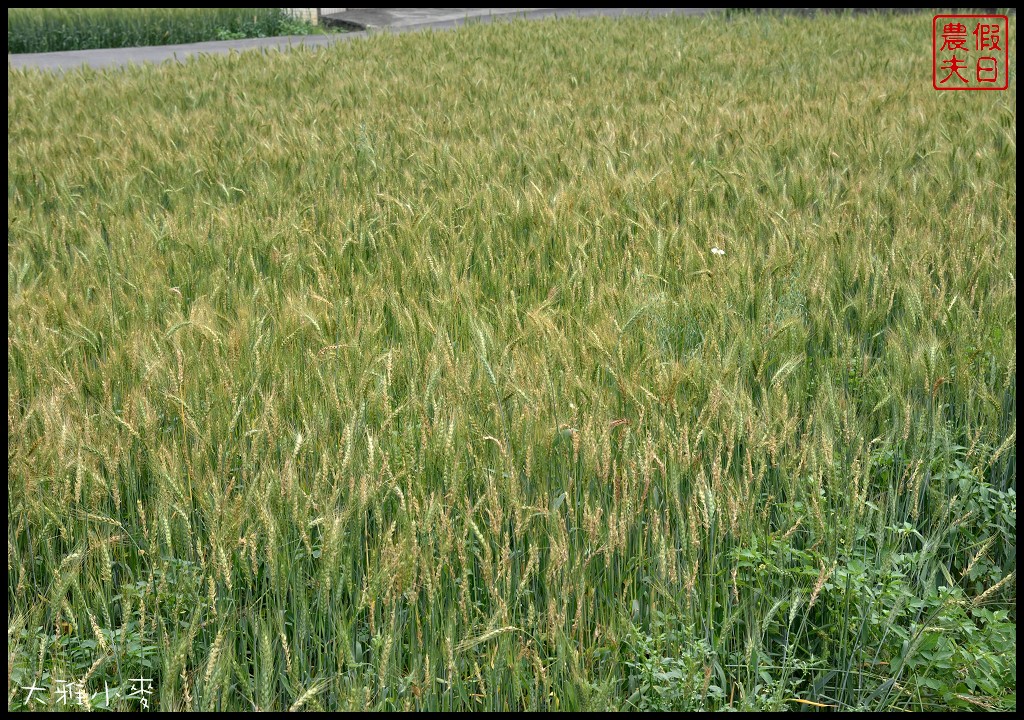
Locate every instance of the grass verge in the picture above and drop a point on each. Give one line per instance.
(32, 30)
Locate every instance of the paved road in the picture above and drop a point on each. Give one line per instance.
(390, 20)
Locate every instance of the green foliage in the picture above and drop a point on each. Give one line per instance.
(122, 645)
(965, 657)
(401, 375)
(670, 670)
(32, 30)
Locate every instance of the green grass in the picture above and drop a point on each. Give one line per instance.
(31, 30)
(401, 374)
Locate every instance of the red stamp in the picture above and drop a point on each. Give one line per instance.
(970, 52)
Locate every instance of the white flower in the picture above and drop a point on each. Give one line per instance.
(718, 251)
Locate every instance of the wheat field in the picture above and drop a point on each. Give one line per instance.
(574, 364)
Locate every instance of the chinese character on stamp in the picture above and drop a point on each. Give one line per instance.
(970, 52)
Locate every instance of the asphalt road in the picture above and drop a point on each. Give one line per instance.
(376, 20)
